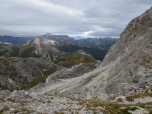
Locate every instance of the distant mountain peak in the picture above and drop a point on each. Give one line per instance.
(94, 41)
(44, 40)
(47, 34)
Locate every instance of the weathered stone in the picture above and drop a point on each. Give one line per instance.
(1, 108)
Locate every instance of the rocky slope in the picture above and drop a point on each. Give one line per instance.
(126, 66)
(19, 73)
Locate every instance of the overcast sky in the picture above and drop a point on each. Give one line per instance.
(77, 18)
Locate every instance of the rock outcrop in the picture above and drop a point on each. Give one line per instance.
(46, 48)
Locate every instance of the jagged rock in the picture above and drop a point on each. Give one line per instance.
(29, 42)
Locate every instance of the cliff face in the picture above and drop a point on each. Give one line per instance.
(131, 57)
(132, 54)
(137, 31)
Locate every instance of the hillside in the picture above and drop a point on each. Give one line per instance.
(77, 58)
(17, 73)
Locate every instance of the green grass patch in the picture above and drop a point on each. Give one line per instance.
(113, 107)
(11, 100)
(120, 100)
(131, 98)
(15, 111)
(6, 108)
(125, 110)
(76, 58)
(23, 50)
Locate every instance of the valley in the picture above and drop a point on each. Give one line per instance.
(56, 77)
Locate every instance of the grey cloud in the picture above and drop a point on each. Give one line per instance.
(102, 18)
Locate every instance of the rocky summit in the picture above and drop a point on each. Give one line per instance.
(120, 84)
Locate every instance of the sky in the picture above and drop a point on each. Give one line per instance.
(76, 18)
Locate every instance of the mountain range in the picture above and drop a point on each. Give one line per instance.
(62, 38)
(14, 40)
(96, 41)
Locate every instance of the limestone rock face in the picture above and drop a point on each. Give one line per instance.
(46, 48)
(137, 31)
(132, 54)
(131, 57)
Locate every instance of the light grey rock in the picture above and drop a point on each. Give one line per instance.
(27, 100)
(1, 108)
(75, 71)
(26, 93)
(47, 49)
